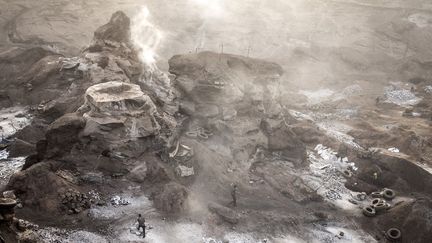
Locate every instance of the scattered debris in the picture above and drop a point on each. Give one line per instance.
(182, 153)
(199, 132)
(119, 201)
(327, 175)
(9, 194)
(184, 171)
(174, 153)
(393, 150)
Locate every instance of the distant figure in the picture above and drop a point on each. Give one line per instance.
(141, 224)
(412, 89)
(234, 195)
(377, 100)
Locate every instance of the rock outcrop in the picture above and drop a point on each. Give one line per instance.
(119, 111)
(117, 30)
(105, 117)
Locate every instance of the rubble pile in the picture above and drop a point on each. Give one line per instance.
(184, 171)
(331, 172)
(74, 202)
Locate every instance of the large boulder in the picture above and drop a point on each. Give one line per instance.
(117, 111)
(21, 148)
(62, 134)
(39, 186)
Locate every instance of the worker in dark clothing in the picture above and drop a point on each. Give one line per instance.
(234, 195)
(141, 224)
(377, 100)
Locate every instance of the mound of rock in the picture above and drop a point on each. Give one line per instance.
(38, 186)
(62, 134)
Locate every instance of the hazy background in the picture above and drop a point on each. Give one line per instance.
(316, 41)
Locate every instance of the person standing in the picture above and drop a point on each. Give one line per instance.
(141, 224)
(234, 195)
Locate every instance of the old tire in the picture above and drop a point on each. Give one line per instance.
(389, 194)
(376, 201)
(203, 135)
(381, 206)
(192, 134)
(393, 234)
(369, 211)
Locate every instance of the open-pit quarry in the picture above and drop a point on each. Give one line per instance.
(307, 121)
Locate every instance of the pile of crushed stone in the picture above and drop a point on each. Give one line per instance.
(328, 174)
(401, 97)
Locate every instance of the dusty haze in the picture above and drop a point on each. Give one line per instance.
(315, 41)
